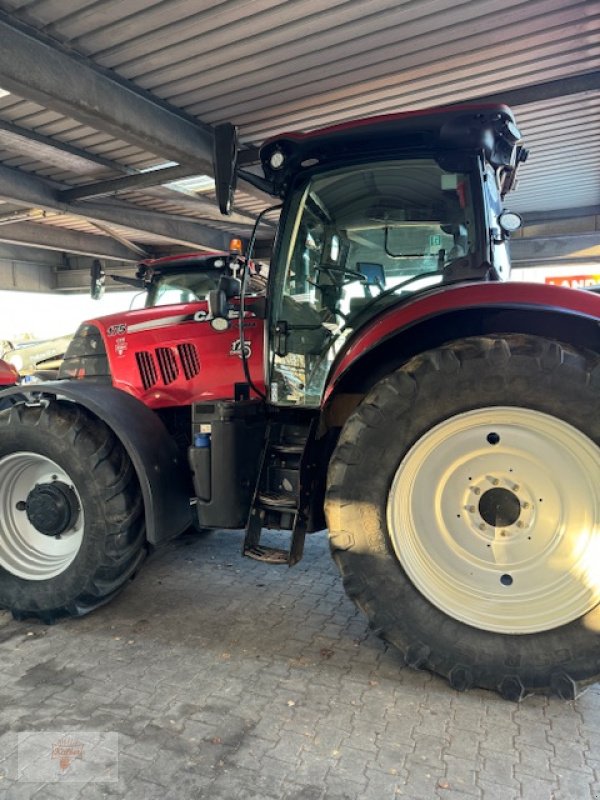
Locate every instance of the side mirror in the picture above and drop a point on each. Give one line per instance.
(232, 287)
(218, 309)
(218, 301)
(225, 155)
(97, 277)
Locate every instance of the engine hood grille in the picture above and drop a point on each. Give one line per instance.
(165, 364)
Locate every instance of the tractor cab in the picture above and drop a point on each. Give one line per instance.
(190, 277)
(375, 212)
(181, 279)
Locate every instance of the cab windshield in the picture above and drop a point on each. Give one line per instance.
(181, 287)
(360, 238)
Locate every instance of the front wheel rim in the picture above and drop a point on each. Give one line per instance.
(494, 514)
(25, 551)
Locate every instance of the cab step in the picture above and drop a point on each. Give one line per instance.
(269, 555)
(282, 497)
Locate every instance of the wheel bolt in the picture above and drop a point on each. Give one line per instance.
(21, 505)
(520, 524)
(493, 481)
(471, 509)
(476, 490)
(481, 526)
(502, 533)
(516, 487)
(525, 505)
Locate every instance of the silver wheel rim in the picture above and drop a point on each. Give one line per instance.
(24, 551)
(490, 569)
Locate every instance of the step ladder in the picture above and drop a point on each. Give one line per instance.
(282, 496)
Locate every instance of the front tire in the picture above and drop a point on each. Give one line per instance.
(464, 513)
(72, 527)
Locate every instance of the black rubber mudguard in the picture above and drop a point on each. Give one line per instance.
(161, 473)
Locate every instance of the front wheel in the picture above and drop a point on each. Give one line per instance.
(464, 513)
(71, 517)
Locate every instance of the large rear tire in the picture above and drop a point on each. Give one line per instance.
(72, 527)
(463, 505)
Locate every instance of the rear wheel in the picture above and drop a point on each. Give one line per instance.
(71, 516)
(464, 513)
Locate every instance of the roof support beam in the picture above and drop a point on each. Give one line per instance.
(52, 151)
(140, 180)
(19, 272)
(64, 240)
(154, 180)
(139, 251)
(584, 247)
(78, 280)
(563, 213)
(29, 190)
(182, 230)
(36, 68)
(588, 82)
(204, 207)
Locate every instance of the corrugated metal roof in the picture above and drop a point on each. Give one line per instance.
(268, 65)
(564, 166)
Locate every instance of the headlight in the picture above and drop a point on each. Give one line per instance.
(86, 355)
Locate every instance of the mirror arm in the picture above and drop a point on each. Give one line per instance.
(255, 180)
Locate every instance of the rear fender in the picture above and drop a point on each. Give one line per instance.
(161, 473)
(566, 315)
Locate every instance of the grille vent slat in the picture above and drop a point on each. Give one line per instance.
(147, 368)
(189, 359)
(167, 364)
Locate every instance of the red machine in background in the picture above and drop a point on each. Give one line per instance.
(9, 375)
(441, 422)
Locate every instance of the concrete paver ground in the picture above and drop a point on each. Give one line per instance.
(226, 678)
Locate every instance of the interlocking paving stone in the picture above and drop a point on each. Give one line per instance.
(226, 678)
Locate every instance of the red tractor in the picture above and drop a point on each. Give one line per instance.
(187, 277)
(392, 386)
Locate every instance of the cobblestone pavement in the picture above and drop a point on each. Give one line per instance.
(226, 678)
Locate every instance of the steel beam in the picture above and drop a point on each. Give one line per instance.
(179, 229)
(584, 247)
(32, 191)
(24, 188)
(37, 68)
(52, 151)
(531, 217)
(25, 269)
(536, 92)
(204, 207)
(76, 280)
(140, 180)
(47, 237)
(134, 248)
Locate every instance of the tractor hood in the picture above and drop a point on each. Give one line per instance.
(168, 355)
